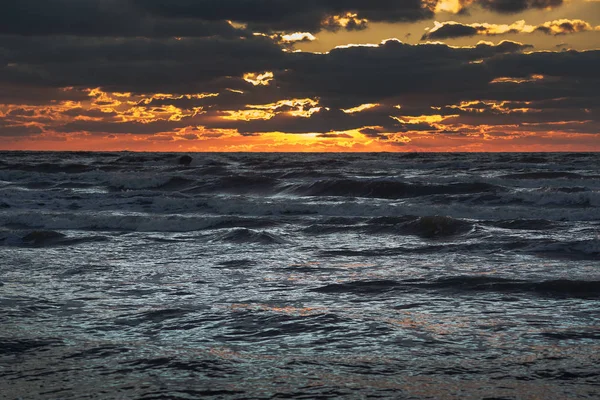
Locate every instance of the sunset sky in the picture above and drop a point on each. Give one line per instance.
(305, 75)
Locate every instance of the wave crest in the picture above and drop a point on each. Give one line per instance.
(243, 235)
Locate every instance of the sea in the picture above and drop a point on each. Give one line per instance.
(299, 275)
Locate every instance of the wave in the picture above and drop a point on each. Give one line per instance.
(152, 316)
(102, 351)
(259, 322)
(52, 168)
(545, 197)
(44, 239)
(40, 238)
(572, 334)
(124, 182)
(140, 222)
(176, 183)
(568, 250)
(550, 288)
(19, 346)
(584, 250)
(240, 222)
(236, 184)
(552, 197)
(427, 227)
(570, 189)
(136, 158)
(546, 175)
(553, 288)
(245, 183)
(328, 229)
(88, 269)
(304, 173)
(387, 189)
(524, 224)
(360, 287)
(212, 170)
(243, 235)
(435, 227)
(234, 264)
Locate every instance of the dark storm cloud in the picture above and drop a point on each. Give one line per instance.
(417, 77)
(34, 95)
(566, 88)
(515, 6)
(219, 52)
(94, 113)
(314, 15)
(10, 129)
(323, 121)
(436, 75)
(205, 18)
(450, 30)
(142, 65)
(347, 77)
(197, 18)
(581, 103)
(278, 15)
(535, 115)
(100, 18)
(133, 64)
(131, 127)
(572, 64)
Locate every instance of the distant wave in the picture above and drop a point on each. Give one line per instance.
(122, 182)
(387, 189)
(51, 168)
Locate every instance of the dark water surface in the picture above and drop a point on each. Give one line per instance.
(417, 276)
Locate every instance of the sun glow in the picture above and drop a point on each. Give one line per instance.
(298, 37)
(349, 21)
(263, 79)
(451, 6)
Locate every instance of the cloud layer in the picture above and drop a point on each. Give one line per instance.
(451, 30)
(199, 71)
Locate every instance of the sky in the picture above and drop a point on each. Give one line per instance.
(300, 75)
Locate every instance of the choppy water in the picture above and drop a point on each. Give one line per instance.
(441, 276)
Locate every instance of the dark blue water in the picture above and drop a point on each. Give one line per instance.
(417, 276)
